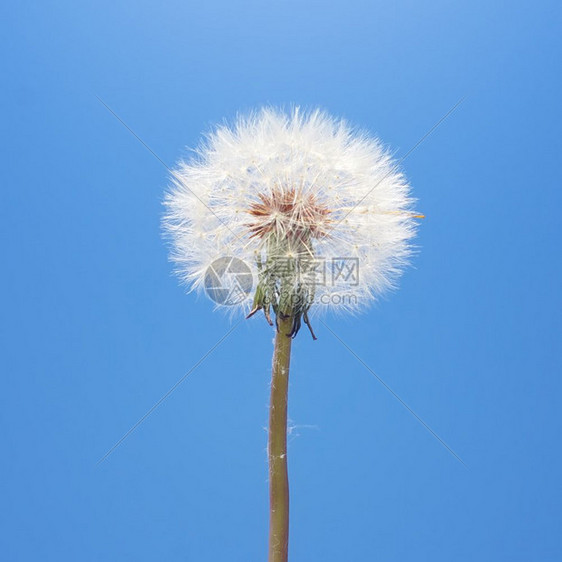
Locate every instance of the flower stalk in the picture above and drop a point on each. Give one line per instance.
(277, 444)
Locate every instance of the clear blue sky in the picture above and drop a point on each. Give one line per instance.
(95, 329)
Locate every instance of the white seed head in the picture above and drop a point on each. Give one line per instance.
(296, 190)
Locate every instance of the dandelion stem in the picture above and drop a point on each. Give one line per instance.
(277, 447)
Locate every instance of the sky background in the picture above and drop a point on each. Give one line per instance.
(95, 329)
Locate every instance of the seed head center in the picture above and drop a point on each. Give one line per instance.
(288, 212)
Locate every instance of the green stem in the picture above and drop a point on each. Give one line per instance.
(277, 447)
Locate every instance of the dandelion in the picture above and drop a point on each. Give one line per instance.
(316, 211)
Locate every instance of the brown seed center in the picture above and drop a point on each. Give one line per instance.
(289, 213)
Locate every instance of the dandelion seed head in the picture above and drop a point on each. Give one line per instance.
(301, 186)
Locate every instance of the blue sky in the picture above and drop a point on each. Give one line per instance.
(95, 329)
